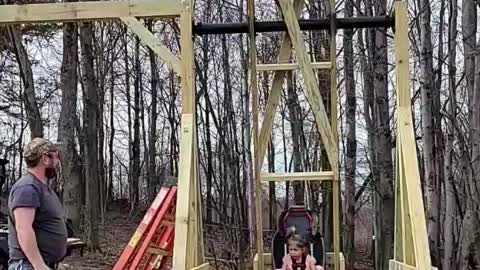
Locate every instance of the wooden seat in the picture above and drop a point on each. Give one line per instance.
(300, 218)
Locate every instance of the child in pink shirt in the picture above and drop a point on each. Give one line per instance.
(298, 253)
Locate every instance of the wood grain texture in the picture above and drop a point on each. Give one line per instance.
(102, 10)
(313, 93)
(276, 89)
(415, 247)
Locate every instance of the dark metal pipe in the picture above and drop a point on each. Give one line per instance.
(307, 25)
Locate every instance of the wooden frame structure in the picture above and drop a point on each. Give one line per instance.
(293, 39)
(411, 243)
(188, 246)
(411, 249)
(411, 238)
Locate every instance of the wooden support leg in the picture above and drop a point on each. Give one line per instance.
(188, 247)
(181, 259)
(411, 238)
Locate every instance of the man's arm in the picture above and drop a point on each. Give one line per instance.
(26, 236)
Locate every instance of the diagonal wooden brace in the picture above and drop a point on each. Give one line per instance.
(313, 92)
(276, 91)
(153, 42)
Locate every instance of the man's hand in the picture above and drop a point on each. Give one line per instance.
(26, 236)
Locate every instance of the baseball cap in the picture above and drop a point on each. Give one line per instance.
(38, 147)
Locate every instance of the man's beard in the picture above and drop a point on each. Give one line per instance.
(50, 172)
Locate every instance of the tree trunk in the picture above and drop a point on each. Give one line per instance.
(101, 140)
(152, 139)
(296, 127)
(112, 138)
(439, 136)
(450, 203)
(173, 127)
(428, 126)
(384, 201)
(129, 120)
(91, 135)
(71, 162)
(31, 107)
(247, 154)
(366, 58)
(469, 235)
(136, 129)
(208, 136)
(350, 161)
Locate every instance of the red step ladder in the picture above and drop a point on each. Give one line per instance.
(151, 245)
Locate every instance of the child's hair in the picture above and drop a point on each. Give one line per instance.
(295, 238)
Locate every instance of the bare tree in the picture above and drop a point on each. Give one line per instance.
(469, 238)
(449, 258)
(384, 199)
(351, 154)
(136, 170)
(91, 135)
(34, 118)
(152, 138)
(428, 126)
(71, 163)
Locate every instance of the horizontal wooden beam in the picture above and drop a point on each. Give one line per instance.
(291, 66)
(77, 11)
(157, 251)
(298, 176)
(396, 265)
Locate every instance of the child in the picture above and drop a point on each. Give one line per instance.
(297, 253)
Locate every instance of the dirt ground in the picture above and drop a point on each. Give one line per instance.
(116, 234)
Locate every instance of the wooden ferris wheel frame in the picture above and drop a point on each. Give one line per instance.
(411, 241)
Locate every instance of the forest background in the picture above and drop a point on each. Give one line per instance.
(115, 106)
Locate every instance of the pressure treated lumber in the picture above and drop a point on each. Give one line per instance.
(76, 11)
(298, 176)
(291, 66)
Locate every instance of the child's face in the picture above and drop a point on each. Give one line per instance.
(294, 250)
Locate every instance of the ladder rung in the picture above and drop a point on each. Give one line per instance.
(157, 251)
(291, 66)
(168, 222)
(299, 176)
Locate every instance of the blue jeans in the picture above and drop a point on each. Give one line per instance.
(20, 265)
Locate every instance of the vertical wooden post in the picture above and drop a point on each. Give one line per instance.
(333, 119)
(181, 251)
(188, 246)
(411, 238)
(256, 156)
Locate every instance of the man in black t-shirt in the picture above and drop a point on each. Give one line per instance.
(37, 230)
